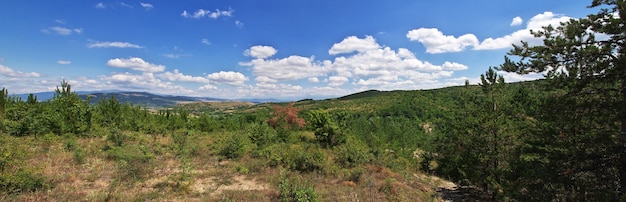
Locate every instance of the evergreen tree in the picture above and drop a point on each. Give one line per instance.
(585, 62)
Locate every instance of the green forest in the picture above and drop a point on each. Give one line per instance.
(562, 138)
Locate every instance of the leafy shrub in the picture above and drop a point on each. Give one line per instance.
(22, 181)
(353, 153)
(133, 161)
(327, 132)
(233, 147)
(261, 135)
(305, 159)
(116, 137)
(298, 191)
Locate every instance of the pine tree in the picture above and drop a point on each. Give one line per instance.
(585, 63)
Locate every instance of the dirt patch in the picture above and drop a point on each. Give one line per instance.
(240, 183)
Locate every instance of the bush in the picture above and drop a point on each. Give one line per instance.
(305, 159)
(22, 181)
(233, 147)
(261, 135)
(353, 153)
(327, 132)
(298, 191)
(134, 162)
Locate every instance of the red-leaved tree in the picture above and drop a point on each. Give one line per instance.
(286, 117)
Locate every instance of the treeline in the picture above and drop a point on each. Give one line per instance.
(67, 113)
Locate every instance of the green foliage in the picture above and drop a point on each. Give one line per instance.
(233, 146)
(73, 115)
(295, 192)
(353, 153)
(327, 131)
(577, 153)
(22, 181)
(261, 135)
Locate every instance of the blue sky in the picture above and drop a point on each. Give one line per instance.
(264, 48)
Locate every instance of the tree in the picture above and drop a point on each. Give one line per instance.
(327, 131)
(286, 117)
(73, 113)
(585, 63)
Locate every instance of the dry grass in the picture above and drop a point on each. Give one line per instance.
(102, 178)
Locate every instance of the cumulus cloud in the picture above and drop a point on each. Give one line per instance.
(228, 77)
(352, 44)
(314, 80)
(200, 13)
(535, 23)
(8, 72)
(290, 68)
(178, 76)
(517, 21)
(113, 44)
(64, 62)
(144, 81)
(135, 63)
(436, 42)
(337, 80)
(207, 87)
(147, 6)
(365, 63)
(100, 5)
(260, 52)
(238, 23)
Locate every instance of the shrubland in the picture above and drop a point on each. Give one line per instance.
(562, 138)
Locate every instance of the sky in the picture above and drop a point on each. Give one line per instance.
(287, 49)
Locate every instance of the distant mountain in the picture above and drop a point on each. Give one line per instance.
(143, 98)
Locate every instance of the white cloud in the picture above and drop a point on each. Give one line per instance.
(510, 77)
(62, 30)
(265, 79)
(100, 5)
(238, 23)
(113, 44)
(207, 87)
(314, 79)
(366, 64)
(535, 23)
(227, 77)
(125, 5)
(205, 41)
(337, 80)
(8, 72)
(177, 76)
(64, 62)
(145, 81)
(147, 6)
(352, 44)
(436, 42)
(453, 66)
(260, 52)
(517, 21)
(200, 13)
(135, 63)
(171, 56)
(289, 68)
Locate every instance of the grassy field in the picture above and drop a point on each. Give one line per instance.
(159, 167)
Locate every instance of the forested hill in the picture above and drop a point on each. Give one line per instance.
(145, 99)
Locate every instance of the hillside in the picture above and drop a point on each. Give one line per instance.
(417, 145)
